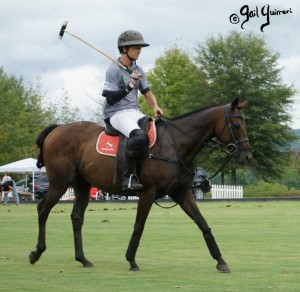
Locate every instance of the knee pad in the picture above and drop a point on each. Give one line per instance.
(137, 143)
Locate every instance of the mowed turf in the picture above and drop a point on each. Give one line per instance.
(259, 240)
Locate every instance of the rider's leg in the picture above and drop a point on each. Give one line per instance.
(136, 145)
(126, 122)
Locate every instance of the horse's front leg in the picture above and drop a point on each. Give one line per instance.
(189, 206)
(144, 205)
(77, 217)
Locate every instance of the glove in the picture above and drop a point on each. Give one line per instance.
(134, 80)
(135, 76)
(133, 83)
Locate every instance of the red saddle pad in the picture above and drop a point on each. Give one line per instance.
(108, 145)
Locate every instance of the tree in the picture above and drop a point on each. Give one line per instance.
(63, 110)
(240, 65)
(21, 118)
(177, 83)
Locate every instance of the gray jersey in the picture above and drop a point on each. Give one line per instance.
(116, 79)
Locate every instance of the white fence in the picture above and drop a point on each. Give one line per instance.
(226, 192)
(69, 195)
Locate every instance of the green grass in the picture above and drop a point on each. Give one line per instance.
(259, 240)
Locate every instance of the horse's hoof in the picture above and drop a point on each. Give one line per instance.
(223, 268)
(33, 257)
(135, 269)
(88, 265)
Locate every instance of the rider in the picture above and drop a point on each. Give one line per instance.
(121, 107)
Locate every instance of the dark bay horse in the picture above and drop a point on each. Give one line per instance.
(69, 154)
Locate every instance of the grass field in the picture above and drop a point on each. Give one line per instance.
(259, 240)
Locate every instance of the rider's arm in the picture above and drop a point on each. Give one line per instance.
(113, 97)
(151, 99)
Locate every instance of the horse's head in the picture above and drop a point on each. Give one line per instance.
(231, 130)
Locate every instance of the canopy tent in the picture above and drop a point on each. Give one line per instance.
(26, 166)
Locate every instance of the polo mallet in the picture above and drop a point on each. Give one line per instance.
(63, 30)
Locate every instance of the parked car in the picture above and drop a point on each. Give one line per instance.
(202, 184)
(41, 184)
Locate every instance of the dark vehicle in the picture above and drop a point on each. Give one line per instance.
(202, 184)
(40, 186)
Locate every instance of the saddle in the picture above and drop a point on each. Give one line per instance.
(111, 142)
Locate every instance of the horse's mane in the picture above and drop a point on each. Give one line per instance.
(194, 112)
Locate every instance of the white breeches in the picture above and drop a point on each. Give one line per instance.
(126, 120)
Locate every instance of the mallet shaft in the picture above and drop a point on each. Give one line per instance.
(63, 30)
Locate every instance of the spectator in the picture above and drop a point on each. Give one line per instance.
(6, 187)
(6, 177)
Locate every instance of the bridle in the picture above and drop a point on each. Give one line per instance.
(236, 146)
(231, 148)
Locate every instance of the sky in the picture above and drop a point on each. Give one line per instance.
(30, 47)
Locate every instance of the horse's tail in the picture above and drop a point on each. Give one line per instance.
(40, 143)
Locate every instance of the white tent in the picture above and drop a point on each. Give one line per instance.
(26, 166)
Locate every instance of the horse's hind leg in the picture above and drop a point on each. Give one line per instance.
(44, 207)
(189, 206)
(82, 199)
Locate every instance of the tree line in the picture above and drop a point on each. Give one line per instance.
(215, 72)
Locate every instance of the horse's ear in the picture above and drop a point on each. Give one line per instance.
(234, 104)
(243, 105)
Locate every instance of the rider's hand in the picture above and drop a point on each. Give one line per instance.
(133, 83)
(136, 76)
(158, 111)
(134, 80)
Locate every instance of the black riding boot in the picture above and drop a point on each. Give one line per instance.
(130, 180)
(136, 144)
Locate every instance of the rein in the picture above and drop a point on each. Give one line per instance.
(231, 148)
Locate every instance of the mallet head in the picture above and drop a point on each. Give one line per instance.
(62, 30)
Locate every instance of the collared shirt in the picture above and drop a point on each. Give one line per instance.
(6, 178)
(117, 79)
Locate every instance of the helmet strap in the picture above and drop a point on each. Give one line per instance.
(132, 60)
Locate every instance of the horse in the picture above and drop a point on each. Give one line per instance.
(68, 153)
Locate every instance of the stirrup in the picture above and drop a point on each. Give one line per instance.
(135, 186)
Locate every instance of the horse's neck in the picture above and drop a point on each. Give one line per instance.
(189, 134)
(199, 128)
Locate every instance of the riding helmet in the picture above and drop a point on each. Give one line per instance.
(130, 38)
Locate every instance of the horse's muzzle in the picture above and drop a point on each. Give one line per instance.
(244, 156)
